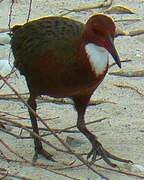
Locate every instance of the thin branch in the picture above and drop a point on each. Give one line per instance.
(105, 4)
(125, 60)
(136, 32)
(29, 11)
(95, 121)
(55, 135)
(128, 19)
(127, 73)
(106, 168)
(31, 163)
(71, 127)
(122, 172)
(42, 166)
(10, 133)
(129, 87)
(10, 14)
(33, 134)
(12, 97)
(6, 174)
(12, 151)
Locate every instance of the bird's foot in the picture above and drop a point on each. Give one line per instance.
(98, 150)
(43, 153)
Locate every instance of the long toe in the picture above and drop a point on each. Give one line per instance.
(94, 153)
(44, 153)
(117, 158)
(104, 154)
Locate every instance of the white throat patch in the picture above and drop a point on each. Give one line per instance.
(98, 57)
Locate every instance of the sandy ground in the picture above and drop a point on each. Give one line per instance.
(122, 132)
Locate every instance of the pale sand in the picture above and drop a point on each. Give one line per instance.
(122, 133)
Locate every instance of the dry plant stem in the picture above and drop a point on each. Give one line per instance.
(12, 151)
(14, 116)
(4, 30)
(130, 19)
(42, 166)
(126, 73)
(56, 136)
(29, 11)
(12, 97)
(122, 172)
(27, 161)
(133, 33)
(129, 87)
(105, 4)
(125, 60)
(106, 168)
(24, 178)
(6, 174)
(10, 14)
(34, 135)
(136, 32)
(24, 118)
(10, 133)
(71, 127)
(29, 127)
(66, 130)
(68, 101)
(7, 77)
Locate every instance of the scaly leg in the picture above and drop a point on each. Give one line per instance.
(38, 144)
(97, 148)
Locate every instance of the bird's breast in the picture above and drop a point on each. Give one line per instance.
(97, 57)
(56, 79)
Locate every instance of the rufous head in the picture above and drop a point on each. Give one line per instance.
(100, 29)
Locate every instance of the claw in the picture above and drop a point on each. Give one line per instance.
(43, 153)
(89, 154)
(105, 155)
(35, 157)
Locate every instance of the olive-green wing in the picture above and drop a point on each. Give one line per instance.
(55, 37)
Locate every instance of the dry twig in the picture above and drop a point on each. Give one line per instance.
(6, 174)
(114, 63)
(129, 87)
(128, 73)
(55, 135)
(106, 168)
(105, 4)
(31, 163)
(12, 97)
(29, 11)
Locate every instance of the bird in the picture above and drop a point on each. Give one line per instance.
(64, 58)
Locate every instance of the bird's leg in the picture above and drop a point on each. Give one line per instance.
(38, 144)
(97, 148)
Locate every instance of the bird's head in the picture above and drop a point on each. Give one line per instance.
(100, 29)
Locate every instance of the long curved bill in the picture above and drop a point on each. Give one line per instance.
(112, 50)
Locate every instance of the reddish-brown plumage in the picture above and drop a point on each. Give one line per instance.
(51, 53)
